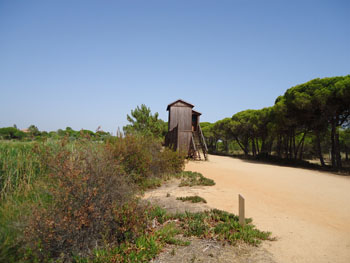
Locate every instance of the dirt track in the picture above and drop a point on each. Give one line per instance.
(308, 211)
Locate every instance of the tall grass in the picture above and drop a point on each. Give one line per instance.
(21, 173)
(19, 166)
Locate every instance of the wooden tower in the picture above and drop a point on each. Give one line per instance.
(184, 131)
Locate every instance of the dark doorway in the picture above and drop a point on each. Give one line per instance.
(194, 122)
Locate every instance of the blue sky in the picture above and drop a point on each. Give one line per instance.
(86, 64)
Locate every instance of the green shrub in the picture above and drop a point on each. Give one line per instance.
(90, 201)
(9, 133)
(167, 161)
(144, 249)
(189, 178)
(196, 225)
(218, 225)
(193, 199)
(144, 157)
(151, 182)
(73, 200)
(135, 155)
(159, 213)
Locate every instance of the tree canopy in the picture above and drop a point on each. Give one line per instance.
(316, 112)
(143, 122)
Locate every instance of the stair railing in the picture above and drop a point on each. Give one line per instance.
(196, 153)
(203, 143)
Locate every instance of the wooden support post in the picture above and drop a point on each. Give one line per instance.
(241, 210)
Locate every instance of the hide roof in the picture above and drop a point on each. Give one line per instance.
(179, 100)
(196, 112)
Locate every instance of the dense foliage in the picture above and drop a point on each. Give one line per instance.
(62, 200)
(309, 120)
(72, 196)
(144, 123)
(76, 201)
(33, 133)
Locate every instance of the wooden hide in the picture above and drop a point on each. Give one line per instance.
(180, 116)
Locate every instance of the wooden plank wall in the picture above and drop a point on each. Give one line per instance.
(184, 140)
(171, 139)
(180, 114)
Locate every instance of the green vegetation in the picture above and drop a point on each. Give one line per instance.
(33, 134)
(189, 178)
(19, 165)
(143, 122)
(66, 200)
(193, 199)
(74, 201)
(215, 224)
(308, 121)
(71, 196)
(143, 249)
(11, 133)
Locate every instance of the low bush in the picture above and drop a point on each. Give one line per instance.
(217, 224)
(193, 199)
(144, 158)
(189, 178)
(145, 247)
(89, 191)
(214, 224)
(135, 155)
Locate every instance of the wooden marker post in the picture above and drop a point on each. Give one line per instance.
(241, 210)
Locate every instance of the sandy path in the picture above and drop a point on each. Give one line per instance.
(308, 211)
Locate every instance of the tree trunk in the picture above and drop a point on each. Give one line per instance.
(333, 128)
(301, 143)
(287, 138)
(257, 146)
(226, 146)
(263, 146)
(337, 150)
(294, 146)
(319, 149)
(290, 153)
(243, 147)
(301, 149)
(253, 147)
(286, 145)
(269, 146)
(279, 146)
(346, 153)
(246, 147)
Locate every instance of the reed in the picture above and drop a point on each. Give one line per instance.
(19, 166)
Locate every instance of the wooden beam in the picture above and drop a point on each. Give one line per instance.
(241, 210)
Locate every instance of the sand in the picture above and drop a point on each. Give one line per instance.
(308, 211)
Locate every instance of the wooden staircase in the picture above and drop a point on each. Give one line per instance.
(198, 146)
